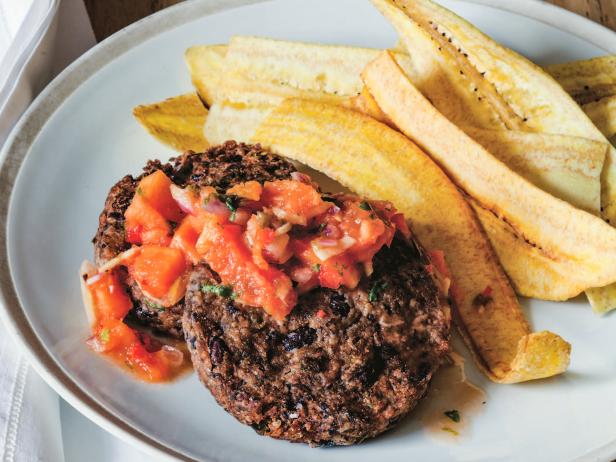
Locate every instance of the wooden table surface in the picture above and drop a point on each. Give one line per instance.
(108, 16)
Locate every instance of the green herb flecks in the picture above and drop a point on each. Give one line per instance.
(376, 288)
(220, 290)
(450, 430)
(365, 205)
(453, 415)
(232, 203)
(316, 267)
(154, 306)
(139, 191)
(104, 335)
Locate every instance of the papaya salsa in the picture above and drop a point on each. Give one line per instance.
(269, 243)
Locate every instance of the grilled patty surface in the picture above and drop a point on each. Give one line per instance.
(344, 366)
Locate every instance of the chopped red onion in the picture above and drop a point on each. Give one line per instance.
(331, 231)
(215, 206)
(183, 197)
(302, 274)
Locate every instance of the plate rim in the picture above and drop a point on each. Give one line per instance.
(24, 133)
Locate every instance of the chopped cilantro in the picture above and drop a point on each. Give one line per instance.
(450, 430)
(220, 290)
(372, 295)
(365, 205)
(104, 335)
(316, 267)
(232, 203)
(155, 306)
(453, 415)
(139, 191)
(377, 286)
(321, 227)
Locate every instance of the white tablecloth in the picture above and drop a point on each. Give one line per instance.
(35, 423)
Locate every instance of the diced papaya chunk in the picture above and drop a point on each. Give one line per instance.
(293, 201)
(109, 299)
(156, 268)
(155, 189)
(250, 190)
(127, 347)
(145, 225)
(339, 271)
(185, 238)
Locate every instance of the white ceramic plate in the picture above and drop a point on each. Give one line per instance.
(79, 137)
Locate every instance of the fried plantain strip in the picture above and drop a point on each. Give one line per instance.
(531, 93)
(365, 103)
(324, 68)
(177, 122)
(538, 274)
(559, 229)
(587, 80)
(358, 151)
(549, 160)
(258, 71)
(603, 115)
(206, 64)
(552, 162)
(335, 69)
(234, 121)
